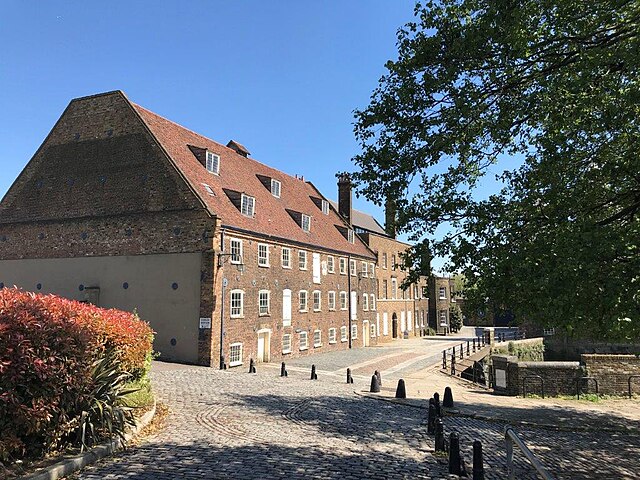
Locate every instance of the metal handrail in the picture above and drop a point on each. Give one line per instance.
(524, 387)
(511, 438)
(586, 379)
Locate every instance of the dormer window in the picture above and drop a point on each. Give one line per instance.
(325, 207)
(247, 205)
(275, 188)
(213, 163)
(350, 236)
(306, 222)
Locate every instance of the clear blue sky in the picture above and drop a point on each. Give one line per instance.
(281, 77)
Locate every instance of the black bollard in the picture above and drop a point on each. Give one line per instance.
(377, 373)
(349, 377)
(431, 421)
(478, 468)
(436, 401)
(454, 454)
(252, 366)
(286, 374)
(283, 370)
(401, 391)
(447, 401)
(474, 345)
(314, 375)
(375, 384)
(440, 441)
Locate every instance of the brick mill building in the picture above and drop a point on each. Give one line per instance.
(398, 311)
(220, 253)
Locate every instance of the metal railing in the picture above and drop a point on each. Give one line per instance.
(586, 379)
(511, 438)
(532, 377)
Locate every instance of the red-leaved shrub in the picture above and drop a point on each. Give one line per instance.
(48, 345)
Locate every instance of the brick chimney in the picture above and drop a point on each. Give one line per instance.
(390, 217)
(345, 203)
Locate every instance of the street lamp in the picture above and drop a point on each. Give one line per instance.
(222, 259)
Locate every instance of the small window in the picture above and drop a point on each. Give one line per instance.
(317, 338)
(425, 292)
(286, 343)
(235, 354)
(306, 222)
(343, 266)
(332, 335)
(372, 302)
(247, 205)
(302, 297)
(316, 301)
(365, 269)
(237, 303)
(373, 330)
(372, 269)
(304, 341)
(263, 302)
(330, 264)
(352, 268)
(393, 262)
(343, 334)
(351, 236)
(263, 255)
(384, 260)
(365, 301)
(302, 260)
(213, 163)
(208, 189)
(343, 300)
(443, 318)
(354, 332)
(385, 289)
(394, 289)
(236, 250)
(286, 257)
(443, 293)
(275, 188)
(331, 300)
(325, 207)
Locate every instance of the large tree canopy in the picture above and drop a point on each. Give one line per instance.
(552, 86)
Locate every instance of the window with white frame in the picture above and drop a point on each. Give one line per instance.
(372, 302)
(325, 207)
(352, 267)
(351, 236)
(373, 330)
(275, 188)
(263, 302)
(354, 332)
(331, 300)
(443, 318)
(306, 222)
(332, 335)
(330, 264)
(302, 297)
(365, 269)
(235, 354)
(384, 260)
(443, 293)
(365, 301)
(286, 307)
(286, 257)
(247, 205)
(343, 300)
(394, 289)
(237, 303)
(263, 255)
(317, 338)
(236, 250)
(343, 334)
(302, 260)
(343, 266)
(316, 301)
(213, 163)
(393, 262)
(286, 343)
(385, 289)
(372, 269)
(304, 340)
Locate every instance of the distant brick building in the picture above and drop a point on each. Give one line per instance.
(398, 310)
(442, 295)
(220, 253)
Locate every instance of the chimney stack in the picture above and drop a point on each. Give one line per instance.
(345, 204)
(390, 217)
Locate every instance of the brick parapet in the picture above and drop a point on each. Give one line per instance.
(612, 371)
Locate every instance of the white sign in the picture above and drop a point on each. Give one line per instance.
(205, 322)
(501, 378)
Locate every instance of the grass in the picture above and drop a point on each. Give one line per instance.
(142, 397)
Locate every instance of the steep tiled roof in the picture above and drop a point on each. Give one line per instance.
(364, 221)
(239, 174)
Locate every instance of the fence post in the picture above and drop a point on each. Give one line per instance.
(461, 351)
(468, 348)
(478, 468)
(474, 345)
(453, 363)
(444, 359)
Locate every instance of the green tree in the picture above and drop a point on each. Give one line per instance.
(455, 318)
(550, 89)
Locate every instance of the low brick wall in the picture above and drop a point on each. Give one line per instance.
(612, 372)
(559, 377)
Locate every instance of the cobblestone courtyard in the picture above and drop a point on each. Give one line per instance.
(238, 425)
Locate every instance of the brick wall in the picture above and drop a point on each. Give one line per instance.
(559, 377)
(613, 371)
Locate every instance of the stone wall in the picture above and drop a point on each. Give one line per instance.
(612, 372)
(560, 348)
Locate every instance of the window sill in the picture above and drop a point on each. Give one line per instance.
(332, 309)
(304, 348)
(286, 324)
(303, 269)
(264, 314)
(286, 352)
(332, 342)
(304, 311)
(316, 310)
(317, 345)
(237, 316)
(288, 268)
(344, 340)
(264, 266)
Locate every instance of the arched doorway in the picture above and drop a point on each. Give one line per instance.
(394, 325)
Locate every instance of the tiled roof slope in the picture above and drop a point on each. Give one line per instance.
(364, 220)
(240, 174)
